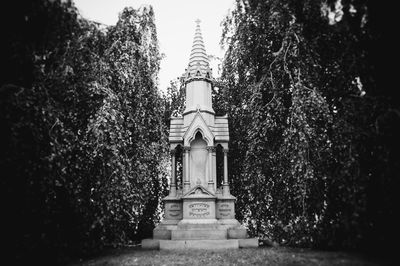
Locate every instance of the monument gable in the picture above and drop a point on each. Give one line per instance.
(198, 124)
(198, 192)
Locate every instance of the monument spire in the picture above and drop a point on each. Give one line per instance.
(199, 65)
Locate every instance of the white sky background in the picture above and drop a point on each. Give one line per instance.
(175, 21)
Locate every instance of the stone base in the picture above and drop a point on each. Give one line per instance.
(151, 244)
(237, 233)
(210, 234)
(220, 244)
(163, 230)
(190, 222)
(248, 243)
(161, 233)
(199, 244)
(199, 219)
(229, 223)
(199, 234)
(167, 222)
(195, 226)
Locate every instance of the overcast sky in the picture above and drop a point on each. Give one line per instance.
(175, 21)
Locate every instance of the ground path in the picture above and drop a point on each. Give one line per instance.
(260, 256)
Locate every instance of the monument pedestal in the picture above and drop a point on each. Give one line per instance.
(199, 220)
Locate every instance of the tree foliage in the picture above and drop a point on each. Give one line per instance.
(174, 100)
(306, 106)
(84, 141)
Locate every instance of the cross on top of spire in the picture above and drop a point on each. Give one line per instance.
(198, 21)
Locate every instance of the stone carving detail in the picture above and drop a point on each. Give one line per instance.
(199, 190)
(210, 148)
(173, 210)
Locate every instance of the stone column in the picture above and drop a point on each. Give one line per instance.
(210, 168)
(226, 183)
(186, 183)
(183, 169)
(172, 191)
(214, 165)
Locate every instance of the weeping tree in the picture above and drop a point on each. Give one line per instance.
(135, 110)
(304, 105)
(84, 140)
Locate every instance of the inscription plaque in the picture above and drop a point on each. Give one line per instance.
(199, 210)
(173, 211)
(225, 210)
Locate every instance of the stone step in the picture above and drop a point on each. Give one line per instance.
(236, 233)
(205, 226)
(199, 244)
(161, 233)
(150, 243)
(248, 243)
(199, 234)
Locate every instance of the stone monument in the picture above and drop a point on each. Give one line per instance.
(199, 213)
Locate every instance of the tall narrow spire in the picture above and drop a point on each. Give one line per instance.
(199, 65)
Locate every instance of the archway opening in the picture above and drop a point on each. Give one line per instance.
(179, 166)
(220, 165)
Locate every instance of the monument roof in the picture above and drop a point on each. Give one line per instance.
(220, 129)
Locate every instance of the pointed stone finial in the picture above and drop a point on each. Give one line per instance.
(198, 21)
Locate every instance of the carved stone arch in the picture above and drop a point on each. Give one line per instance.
(198, 125)
(193, 136)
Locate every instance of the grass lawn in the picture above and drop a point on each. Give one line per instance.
(260, 256)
